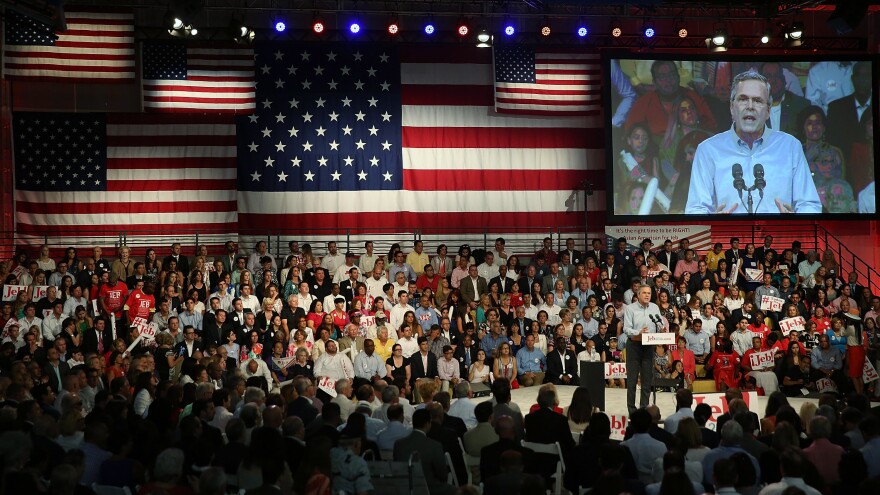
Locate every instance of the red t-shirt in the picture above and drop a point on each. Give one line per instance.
(423, 282)
(725, 362)
(114, 298)
(140, 304)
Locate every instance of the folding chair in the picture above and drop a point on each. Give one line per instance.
(552, 449)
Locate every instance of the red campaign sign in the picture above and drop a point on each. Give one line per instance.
(145, 329)
(618, 426)
(719, 404)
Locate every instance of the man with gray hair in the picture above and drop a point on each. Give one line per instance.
(463, 407)
(640, 318)
(343, 398)
(731, 437)
(751, 152)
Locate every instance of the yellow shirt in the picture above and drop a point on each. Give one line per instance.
(418, 261)
(384, 351)
(712, 259)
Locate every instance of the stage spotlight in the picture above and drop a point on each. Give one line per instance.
(796, 32)
(765, 38)
(354, 27)
(177, 24)
(717, 42)
(393, 27)
(463, 28)
(681, 28)
(192, 31)
(484, 39)
(239, 31)
(429, 28)
(616, 30)
(280, 26)
(545, 27)
(648, 29)
(582, 31)
(318, 27)
(509, 28)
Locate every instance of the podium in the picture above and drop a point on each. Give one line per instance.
(592, 376)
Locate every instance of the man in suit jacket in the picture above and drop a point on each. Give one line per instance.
(525, 324)
(845, 113)
(182, 262)
(786, 105)
(596, 252)
(447, 437)
(229, 259)
(667, 256)
(215, 331)
(574, 256)
(548, 283)
(606, 292)
(466, 355)
(561, 365)
(547, 426)
(423, 364)
(530, 277)
(430, 453)
(55, 369)
(93, 335)
(473, 286)
(504, 282)
(348, 287)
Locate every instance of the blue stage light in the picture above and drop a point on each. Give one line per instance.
(582, 31)
(355, 28)
(280, 26)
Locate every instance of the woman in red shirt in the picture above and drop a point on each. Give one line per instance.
(681, 353)
(823, 322)
(316, 314)
(340, 317)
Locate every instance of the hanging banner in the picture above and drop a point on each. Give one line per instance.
(700, 236)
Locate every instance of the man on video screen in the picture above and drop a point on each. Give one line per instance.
(751, 168)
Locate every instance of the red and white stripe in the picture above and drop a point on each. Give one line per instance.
(218, 80)
(464, 165)
(167, 175)
(565, 84)
(97, 47)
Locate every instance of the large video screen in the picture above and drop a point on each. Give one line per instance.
(727, 137)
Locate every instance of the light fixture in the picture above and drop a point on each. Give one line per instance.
(393, 27)
(582, 31)
(648, 29)
(354, 27)
(177, 24)
(509, 28)
(280, 26)
(616, 30)
(717, 42)
(240, 32)
(681, 28)
(545, 27)
(765, 38)
(463, 28)
(318, 25)
(484, 39)
(796, 32)
(429, 28)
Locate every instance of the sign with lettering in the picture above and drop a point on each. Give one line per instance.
(615, 370)
(759, 360)
(11, 291)
(754, 274)
(770, 303)
(618, 426)
(145, 329)
(826, 385)
(39, 292)
(797, 323)
(667, 338)
(869, 374)
(328, 385)
(283, 362)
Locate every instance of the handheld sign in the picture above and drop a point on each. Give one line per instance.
(283, 362)
(770, 303)
(145, 329)
(667, 338)
(754, 274)
(759, 360)
(39, 292)
(797, 323)
(11, 291)
(328, 385)
(615, 370)
(869, 374)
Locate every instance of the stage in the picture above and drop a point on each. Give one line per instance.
(615, 400)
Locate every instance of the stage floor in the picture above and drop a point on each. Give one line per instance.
(615, 400)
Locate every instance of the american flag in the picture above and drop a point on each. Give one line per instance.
(547, 81)
(80, 175)
(197, 77)
(368, 137)
(97, 47)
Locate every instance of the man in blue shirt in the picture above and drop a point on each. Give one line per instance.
(735, 155)
(698, 342)
(639, 318)
(530, 364)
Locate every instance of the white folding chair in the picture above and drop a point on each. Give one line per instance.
(470, 463)
(451, 478)
(552, 449)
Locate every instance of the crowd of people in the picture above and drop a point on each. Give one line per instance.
(673, 106)
(248, 371)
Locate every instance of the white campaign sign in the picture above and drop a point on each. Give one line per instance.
(667, 338)
(758, 360)
(11, 291)
(754, 274)
(283, 362)
(797, 323)
(39, 292)
(145, 330)
(615, 370)
(618, 426)
(328, 385)
(869, 374)
(770, 303)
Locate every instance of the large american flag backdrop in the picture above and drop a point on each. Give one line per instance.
(350, 137)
